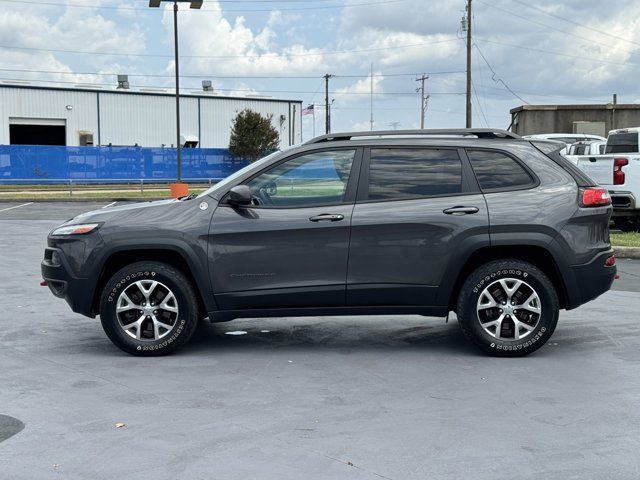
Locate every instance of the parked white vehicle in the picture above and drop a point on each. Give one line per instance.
(594, 147)
(618, 169)
(568, 138)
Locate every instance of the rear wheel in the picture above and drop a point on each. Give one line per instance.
(508, 308)
(149, 308)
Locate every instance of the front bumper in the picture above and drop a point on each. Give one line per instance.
(78, 292)
(590, 280)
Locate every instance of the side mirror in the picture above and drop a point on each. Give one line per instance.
(239, 196)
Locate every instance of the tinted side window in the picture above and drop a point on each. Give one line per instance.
(314, 179)
(403, 173)
(496, 170)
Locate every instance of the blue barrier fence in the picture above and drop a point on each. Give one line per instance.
(52, 164)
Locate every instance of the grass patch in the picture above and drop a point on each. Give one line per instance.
(630, 239)
(87, 193)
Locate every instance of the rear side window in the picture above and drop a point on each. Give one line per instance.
(404, 173)
(622, 143)
(552, 151)
(498, 171)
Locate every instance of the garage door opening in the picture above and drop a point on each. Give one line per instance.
(37, 132)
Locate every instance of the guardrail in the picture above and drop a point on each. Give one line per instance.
(87, 186)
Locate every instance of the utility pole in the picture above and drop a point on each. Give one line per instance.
(423, 98)
(469, 21)
(327, 105)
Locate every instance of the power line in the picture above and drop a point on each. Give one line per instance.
(578, 24)
(495, 77)
(566, 55)
(535, 22)
(108, 7)
(475, 93)
(157, 75)
(163, 87)
(319, 54)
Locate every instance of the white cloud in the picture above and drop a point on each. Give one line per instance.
(356, 90)
(236, 48)
(72, 29)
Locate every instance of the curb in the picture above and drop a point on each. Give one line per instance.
(627, 252)
(83, 200)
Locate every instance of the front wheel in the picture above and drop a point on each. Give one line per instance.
(508, 308)
(149, 308)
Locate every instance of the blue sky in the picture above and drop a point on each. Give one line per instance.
(541, 52)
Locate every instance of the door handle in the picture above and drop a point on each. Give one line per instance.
(327, 217)
(461, 210)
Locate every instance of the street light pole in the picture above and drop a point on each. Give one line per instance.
(177, 67)
(177, 189)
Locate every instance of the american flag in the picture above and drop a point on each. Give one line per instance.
(308, 110)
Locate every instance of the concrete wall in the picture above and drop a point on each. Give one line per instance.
(148, 120)
(553, 119)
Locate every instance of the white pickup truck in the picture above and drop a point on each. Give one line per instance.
(618, 169)
(594, 147)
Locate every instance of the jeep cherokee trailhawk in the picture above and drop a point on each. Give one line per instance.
(502, 231)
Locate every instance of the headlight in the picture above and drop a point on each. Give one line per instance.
(76, 229)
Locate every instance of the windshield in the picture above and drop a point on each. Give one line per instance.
(222, 184)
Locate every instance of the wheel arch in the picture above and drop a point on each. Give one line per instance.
(538, 255)
(173, 255)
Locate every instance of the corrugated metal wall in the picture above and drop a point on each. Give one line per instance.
(148, 120)
(49, 104)
(218, 115)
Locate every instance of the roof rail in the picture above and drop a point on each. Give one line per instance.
(464, 132)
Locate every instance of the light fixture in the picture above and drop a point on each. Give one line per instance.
(196, 4)
(69, 107)
(207, 86)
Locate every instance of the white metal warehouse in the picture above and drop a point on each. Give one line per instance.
(78, 116)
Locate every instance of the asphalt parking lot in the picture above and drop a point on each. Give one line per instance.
(313, 398)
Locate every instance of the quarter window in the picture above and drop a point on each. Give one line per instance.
(396, 174)
(496, 170)
(318, 178)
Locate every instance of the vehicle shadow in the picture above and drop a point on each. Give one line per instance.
(335, 333)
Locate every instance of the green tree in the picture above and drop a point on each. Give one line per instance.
(252, 135)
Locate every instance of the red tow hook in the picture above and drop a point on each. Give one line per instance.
(43, 283)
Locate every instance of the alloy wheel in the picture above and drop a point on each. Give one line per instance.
(509, 309)
(147, 310)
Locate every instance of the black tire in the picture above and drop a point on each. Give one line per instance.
(183, 323)
(545, 322)
(627, 224)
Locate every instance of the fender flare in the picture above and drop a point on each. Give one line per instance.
(196, 261)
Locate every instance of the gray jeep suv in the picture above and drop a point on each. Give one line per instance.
(500, 230)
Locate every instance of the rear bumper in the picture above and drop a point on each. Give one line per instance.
(590, 280)
(624, 203)
(77, 292)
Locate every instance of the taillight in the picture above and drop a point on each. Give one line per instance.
(595, 197)
(610, 262)
(618, 174)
